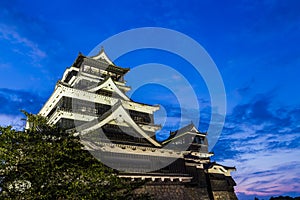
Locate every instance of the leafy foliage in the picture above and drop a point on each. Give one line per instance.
(45, 162)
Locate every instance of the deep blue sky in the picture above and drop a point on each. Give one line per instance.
(255, 45)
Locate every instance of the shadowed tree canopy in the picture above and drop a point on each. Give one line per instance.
(45, 162)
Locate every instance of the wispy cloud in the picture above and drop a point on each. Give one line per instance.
(4, 65)
(263, 143)
(12, 101)
(16, 121)
(10, 34)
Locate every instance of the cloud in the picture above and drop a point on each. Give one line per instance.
(4, 66)
(12, 101)
(262, 141)
(16, 121)
(8, 33)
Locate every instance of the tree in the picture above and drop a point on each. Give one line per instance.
(45, 162)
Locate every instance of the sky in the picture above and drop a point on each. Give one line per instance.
(254, 44)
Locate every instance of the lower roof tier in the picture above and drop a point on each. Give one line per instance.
(64, 91)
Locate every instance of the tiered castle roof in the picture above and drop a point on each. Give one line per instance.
(92, 95)
(90, 100)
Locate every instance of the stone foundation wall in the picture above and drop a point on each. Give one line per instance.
(180, 191)
(221, 195)
(173, 191)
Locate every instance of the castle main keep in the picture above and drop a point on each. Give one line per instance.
(90, 101)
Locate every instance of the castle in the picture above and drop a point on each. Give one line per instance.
(90, 101)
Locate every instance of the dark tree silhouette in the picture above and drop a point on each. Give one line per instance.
(45, 162)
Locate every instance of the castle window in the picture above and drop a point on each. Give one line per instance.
(86, 68)
(95, 70)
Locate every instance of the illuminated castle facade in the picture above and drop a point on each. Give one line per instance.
(90, 101)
